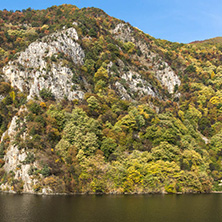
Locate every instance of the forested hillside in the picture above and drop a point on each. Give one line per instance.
(90, 104)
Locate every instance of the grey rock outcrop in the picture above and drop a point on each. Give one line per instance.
(15, 162)
(35, 68)
(134, 85)
(166, 76)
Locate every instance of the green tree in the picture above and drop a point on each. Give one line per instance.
(101, 74)
(82, 132)
(108, 146)
(166, 152)
(93, 103)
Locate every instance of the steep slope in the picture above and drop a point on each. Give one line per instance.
(44, 65)
(91, 104)
(33, 65)
(162, 70)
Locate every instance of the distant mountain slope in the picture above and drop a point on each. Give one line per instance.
(210, 41)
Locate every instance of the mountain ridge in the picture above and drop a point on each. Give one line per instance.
(214, 40)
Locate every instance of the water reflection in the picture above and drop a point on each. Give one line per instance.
(156, 208)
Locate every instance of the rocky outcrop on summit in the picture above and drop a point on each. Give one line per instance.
(35, 68)
(124, 32)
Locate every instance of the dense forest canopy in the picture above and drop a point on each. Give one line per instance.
(106, 142)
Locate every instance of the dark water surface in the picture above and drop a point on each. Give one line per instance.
(135, 208)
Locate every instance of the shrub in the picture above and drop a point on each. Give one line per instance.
(35, 108)
(30, 158)
(46, 94)
(45, 171)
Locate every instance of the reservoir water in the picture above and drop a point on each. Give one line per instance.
(111, 208)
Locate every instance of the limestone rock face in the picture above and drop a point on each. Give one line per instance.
(15, 162)
(139, 85)
(36, 68)
(168, 78)
(134, 85)
(124, 32)
(164, 73)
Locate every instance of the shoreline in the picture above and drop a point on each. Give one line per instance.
(105, 194)
(216, 192)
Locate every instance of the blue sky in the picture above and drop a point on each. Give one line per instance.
(174, 20)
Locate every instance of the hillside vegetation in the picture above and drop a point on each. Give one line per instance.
(90, 104)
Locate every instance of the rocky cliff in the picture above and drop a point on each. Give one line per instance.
(35, 70)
